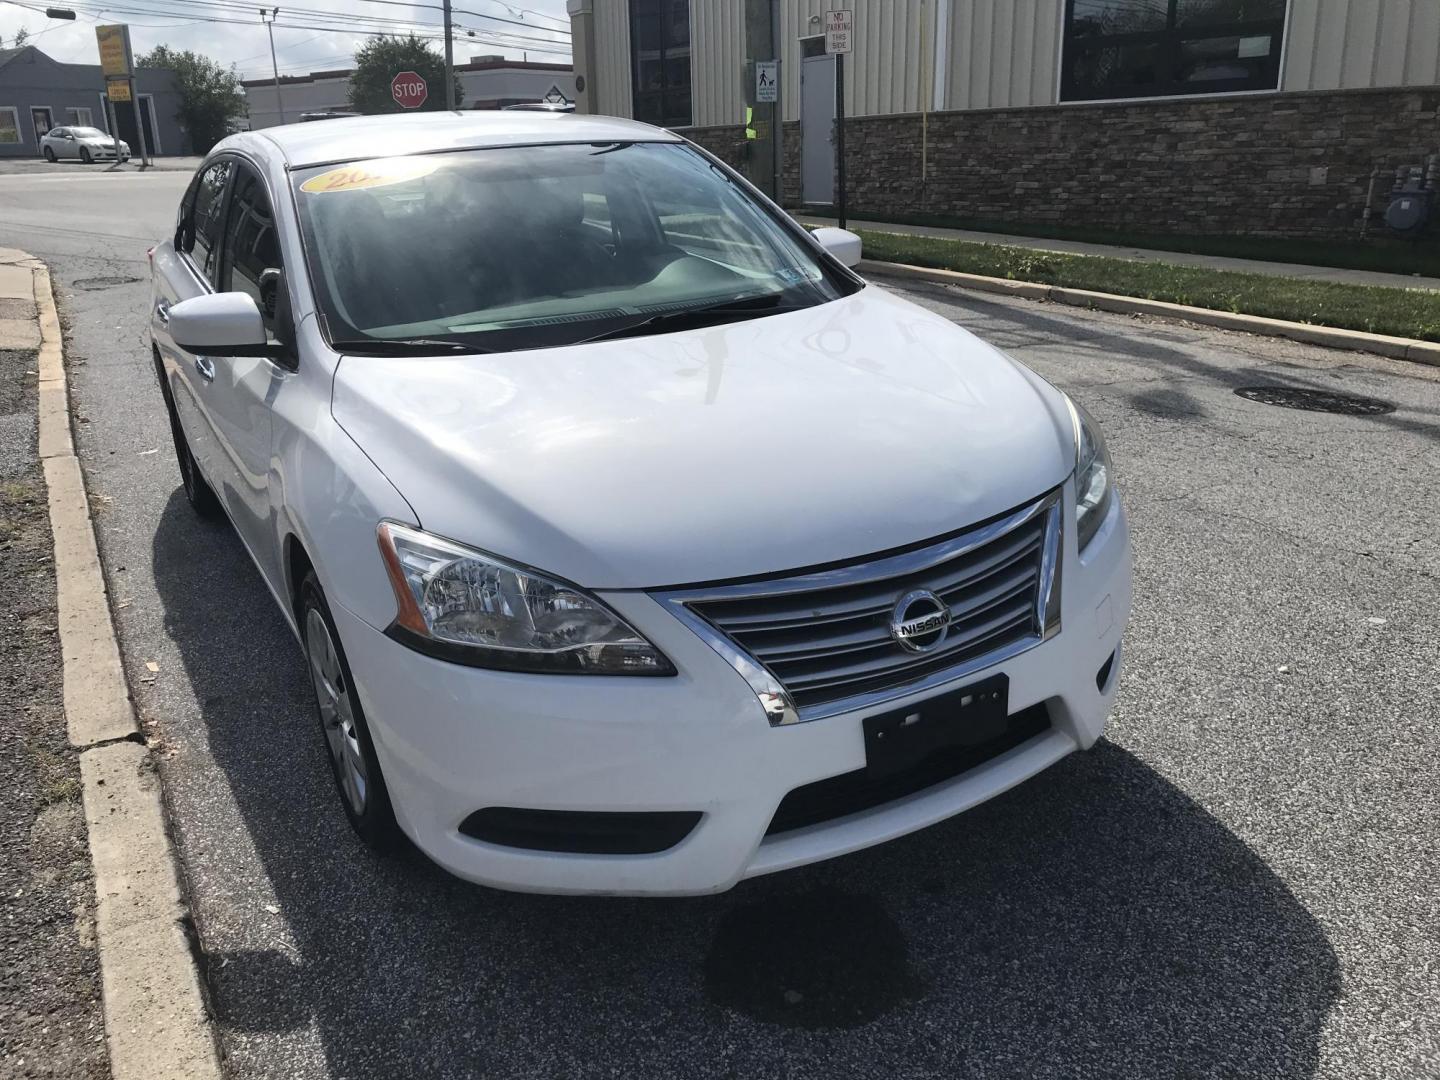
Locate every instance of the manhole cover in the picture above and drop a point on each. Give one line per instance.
(1298, 397)
(104, 282)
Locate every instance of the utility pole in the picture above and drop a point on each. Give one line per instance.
(762, 41)
(449, 63)
(274, 67)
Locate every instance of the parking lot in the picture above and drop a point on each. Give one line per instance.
(1239, 881)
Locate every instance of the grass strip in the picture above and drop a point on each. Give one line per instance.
(1412, 313)
(1381, 252)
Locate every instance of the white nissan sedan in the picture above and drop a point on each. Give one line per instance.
(634, 542)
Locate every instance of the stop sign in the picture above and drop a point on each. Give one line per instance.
(409, 90)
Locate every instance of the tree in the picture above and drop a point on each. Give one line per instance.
(210, 95)
(381, 59)
(21, 37)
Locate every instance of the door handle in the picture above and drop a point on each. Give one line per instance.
(206, 368)
(162, 311)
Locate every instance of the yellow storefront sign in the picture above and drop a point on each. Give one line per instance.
(114, 51)
(118, 90)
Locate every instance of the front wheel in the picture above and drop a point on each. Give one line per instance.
(49, 155)
(85, 155)
(342, 722)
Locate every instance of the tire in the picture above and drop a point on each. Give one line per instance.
(198, 492)
(85, 155)
(353, 764)
(49, 155)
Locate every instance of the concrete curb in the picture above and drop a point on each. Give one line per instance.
(157, 1026)
(1397, 348)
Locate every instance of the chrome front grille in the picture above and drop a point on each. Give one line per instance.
(817, 643)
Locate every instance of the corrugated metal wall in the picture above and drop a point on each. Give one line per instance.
(886, 71)
(1003, 53)
(884, 74)
(717, 40)
(612, 57)
(1340, 44)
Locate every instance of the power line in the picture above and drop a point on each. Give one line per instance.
(402, 3)
(310, 16)
(426, 31)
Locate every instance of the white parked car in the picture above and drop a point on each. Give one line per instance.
(635, 543)
(85, 143)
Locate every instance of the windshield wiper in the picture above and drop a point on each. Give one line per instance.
(404, 346)
(732, 308)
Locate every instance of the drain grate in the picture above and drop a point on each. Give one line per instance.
(93, 283)
(1299, 397)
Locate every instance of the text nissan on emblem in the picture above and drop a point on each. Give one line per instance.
(920, 621)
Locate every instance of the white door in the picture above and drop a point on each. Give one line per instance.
(817, 129)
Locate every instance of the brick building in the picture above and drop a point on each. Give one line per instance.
(488, 82)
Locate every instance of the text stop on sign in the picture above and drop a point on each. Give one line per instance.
(409, 90)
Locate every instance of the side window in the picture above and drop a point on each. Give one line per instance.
(251, 246)
(200, 225)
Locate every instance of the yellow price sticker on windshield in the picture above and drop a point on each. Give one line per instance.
(370, 174)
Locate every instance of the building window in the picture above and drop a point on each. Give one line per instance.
(9, 124)
(1156, 48)
(79, 117)
(660, 73)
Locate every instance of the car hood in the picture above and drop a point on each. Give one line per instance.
(789, 441)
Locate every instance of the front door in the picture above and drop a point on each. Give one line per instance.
(817, 129)
(125, 124)
(41, 117)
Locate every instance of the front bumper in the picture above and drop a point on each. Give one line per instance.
(452, 740)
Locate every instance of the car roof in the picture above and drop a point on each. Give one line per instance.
(355, 137)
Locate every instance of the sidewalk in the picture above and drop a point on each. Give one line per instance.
(1134, 254)
(33, 166)
(98, 953)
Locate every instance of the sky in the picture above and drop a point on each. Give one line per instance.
(310, 35)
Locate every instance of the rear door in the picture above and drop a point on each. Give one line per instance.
(238, 396)
(188, 268)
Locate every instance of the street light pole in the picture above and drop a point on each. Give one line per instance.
(270, 29)
(449, 63)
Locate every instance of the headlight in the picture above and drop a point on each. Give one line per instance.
(463, 605)
(1094, 480)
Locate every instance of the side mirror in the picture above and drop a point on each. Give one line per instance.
(220, 324)
(842, 243)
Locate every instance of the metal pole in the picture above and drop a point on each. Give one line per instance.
(840, 129)
(270, 29)
(449, 63)
(139, 124)
(777, 110)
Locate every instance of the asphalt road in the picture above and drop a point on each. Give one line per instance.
(1240, 881)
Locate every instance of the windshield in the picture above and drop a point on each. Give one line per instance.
(528, 247)
(88, 133)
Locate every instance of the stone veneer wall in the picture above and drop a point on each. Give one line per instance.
(1294, 164)
(729, 145)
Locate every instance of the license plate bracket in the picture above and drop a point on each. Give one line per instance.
(967, 717)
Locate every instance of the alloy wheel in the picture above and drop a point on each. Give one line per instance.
(337, 716)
